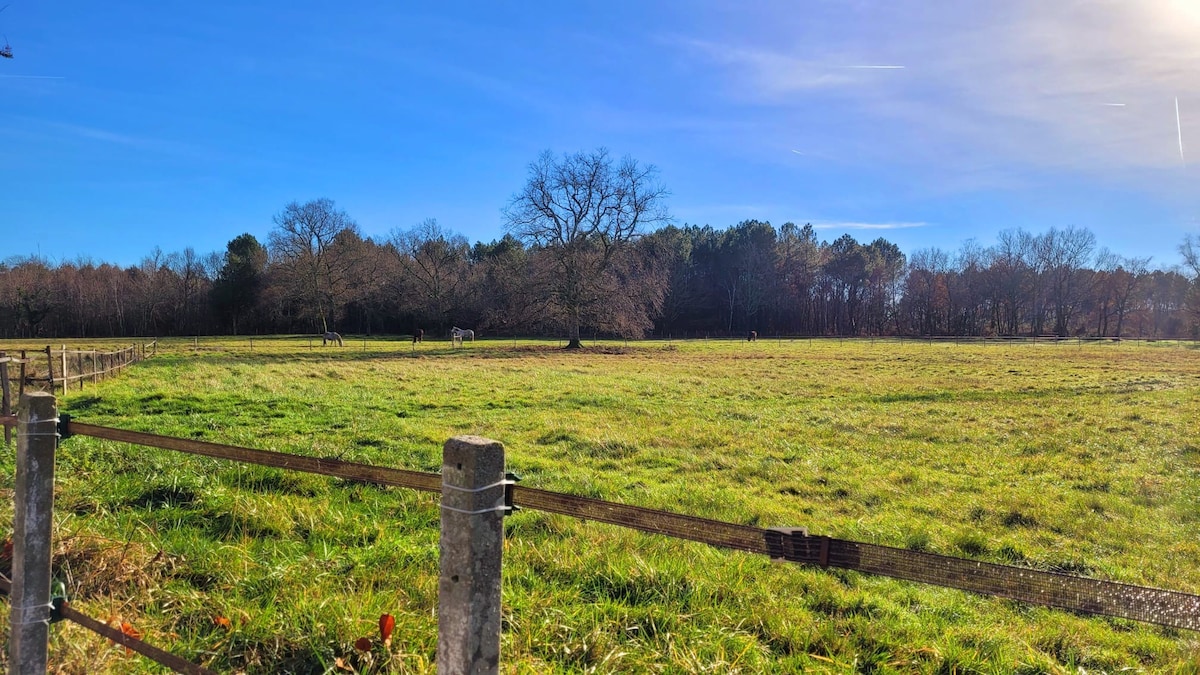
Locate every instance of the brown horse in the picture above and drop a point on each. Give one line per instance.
(418, 335)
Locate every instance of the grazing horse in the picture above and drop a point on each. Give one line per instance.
(332, 337)
(418, 335)
(458, 334)
(752, 337)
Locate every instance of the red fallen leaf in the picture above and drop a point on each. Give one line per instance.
(223, 622)
(129, 631)
(363, 644)
(387, 623)
(8, 550)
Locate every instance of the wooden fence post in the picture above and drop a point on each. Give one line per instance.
(33, 518)
(472, 539)
(50, 368)
(5, 397)
(64, 370)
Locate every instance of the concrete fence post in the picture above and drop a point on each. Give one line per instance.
(472, 539)
(33, 518)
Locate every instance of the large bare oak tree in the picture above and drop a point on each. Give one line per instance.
(305, 247)
(582, 212)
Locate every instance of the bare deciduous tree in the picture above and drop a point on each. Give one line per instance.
(582, 211)
(1190, 250)
(435, 260)
(1061, 256)
(302, 245)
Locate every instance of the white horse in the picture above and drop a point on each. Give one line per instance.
(458, 334)
(332, 337)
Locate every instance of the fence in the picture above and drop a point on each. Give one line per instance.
(75, 365)
(939, 339)
(6, 393)
(476, 494)
(58, 369)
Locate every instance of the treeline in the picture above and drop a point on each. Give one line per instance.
(316, 272)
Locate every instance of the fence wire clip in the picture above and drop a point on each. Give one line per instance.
(28, 616)
(64, 426)
(510, 479)
(56, 608)
(793, 544)
(505, 509)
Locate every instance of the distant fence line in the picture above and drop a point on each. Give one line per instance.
(79, 365)
(60, 369)
(789, 544)
(364, 341)
(928, 339)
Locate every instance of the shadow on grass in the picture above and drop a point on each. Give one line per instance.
(331, 355)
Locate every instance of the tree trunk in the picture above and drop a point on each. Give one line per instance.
(574, 342)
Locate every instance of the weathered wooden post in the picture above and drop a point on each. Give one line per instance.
(49, 368)
(474, 489)
(5, 397)
(29, 616)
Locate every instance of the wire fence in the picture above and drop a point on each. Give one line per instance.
(1079, 594)
(123, 638)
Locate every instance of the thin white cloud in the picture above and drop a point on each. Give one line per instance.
(41, 130)
(772, 73)
(99, 134)
(1179, 128)
(1013, 85)
(147, 143)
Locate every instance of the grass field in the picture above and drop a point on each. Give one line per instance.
(1077, 458)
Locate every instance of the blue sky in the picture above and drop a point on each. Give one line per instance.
(126, 126)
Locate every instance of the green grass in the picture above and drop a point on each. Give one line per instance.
(1084, 459)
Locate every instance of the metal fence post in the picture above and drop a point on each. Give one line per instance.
(472, 539)
(33, 518)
